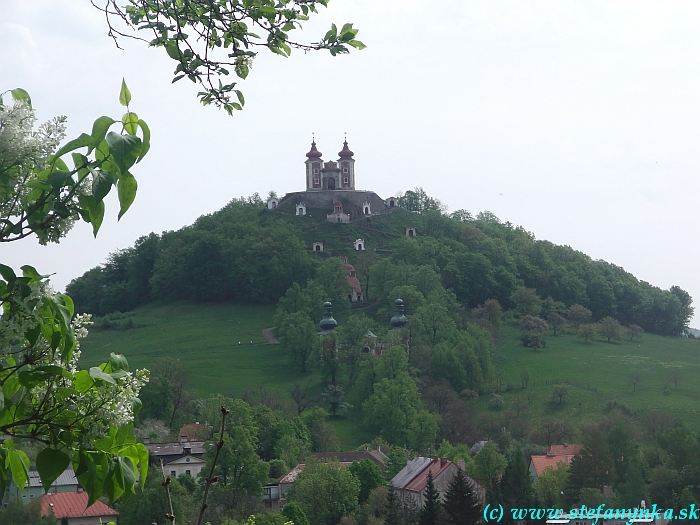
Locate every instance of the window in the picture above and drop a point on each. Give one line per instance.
(345, 169)
(188, 472)
(345, 180)
(173, 474)
(315, 171)
(316, 181)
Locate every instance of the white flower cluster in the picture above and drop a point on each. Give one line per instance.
(23, 154)
(97, 409)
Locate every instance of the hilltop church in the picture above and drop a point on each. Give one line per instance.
(330, 186)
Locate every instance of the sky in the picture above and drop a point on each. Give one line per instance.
(578, 120)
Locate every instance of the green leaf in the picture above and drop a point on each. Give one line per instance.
(20, 94)
(2, 401)
(102, 182)
(126, 190)
(146, 145)
(19, 466)
(97, 373)
(83, 382)
(128, 476)
(172, 50)
(143, 463)
(99, 130)
(7, 273)
(96, 211)
(124, 149)
(124, 94)
(51, 463)
(130, 121)
(31, 273)
(118, 362)
(83, 141)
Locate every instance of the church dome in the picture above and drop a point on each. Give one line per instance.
(313, 152)
(346, 151)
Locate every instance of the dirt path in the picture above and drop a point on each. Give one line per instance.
(269, 334)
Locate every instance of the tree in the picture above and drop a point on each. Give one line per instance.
(293, 513)
(431, 511)
(686, 310)
(370, 476)
(489, 465)
(516, 484)
(151, 503)
(300, 394)
(207, 40)
(79, 416)
(578, 315)
(550, 486)
(325, 492)
(555, 321)
(334, 395)
(461, 504)
(635, 378)
(560, 391)
(635, 332)
(393, 508)
(526, 301)
(533, 330)
(167, 393)
(524, 377)
(16, 513)
(298, 337)
(586, 332)
(610, 328)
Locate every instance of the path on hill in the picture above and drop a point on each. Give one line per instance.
(268, 333)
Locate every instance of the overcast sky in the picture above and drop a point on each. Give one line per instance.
(578, 120)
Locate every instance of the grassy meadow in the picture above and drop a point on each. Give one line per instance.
(205, 337)
(598, 372)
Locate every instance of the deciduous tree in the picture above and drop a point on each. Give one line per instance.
(610, 329)
(578, 315)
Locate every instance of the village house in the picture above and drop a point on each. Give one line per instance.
(555, 456)
(178, 458)
(411, 482)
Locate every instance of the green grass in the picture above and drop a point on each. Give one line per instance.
(205, 337)
(597, 372)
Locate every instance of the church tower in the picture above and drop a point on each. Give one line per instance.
(347, 168)
(314, 164)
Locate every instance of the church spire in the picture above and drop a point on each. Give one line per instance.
(313, 152)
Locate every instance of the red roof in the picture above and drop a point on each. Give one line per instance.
(436, 466)
(564, 450)
(195, 432)
(542, 462)
(72, 505)
(353, 281)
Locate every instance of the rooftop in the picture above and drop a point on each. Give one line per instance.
(73, 505)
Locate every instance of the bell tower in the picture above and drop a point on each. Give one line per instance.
(347, 167)
(314, 164)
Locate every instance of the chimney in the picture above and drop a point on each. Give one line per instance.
(183, 439)
(443, 462)
(460, 464)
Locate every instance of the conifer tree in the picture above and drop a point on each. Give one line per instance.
(516, 484)
(461, 503)
(431, 511)
(393, 508)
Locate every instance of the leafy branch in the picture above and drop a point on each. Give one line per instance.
(209, 38)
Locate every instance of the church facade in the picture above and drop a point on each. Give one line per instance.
(330, 187)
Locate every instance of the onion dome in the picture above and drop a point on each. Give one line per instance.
(345, 153)
(399, 320)
(327, 323)
(313, 152)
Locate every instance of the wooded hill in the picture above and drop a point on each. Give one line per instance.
(247, 253)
